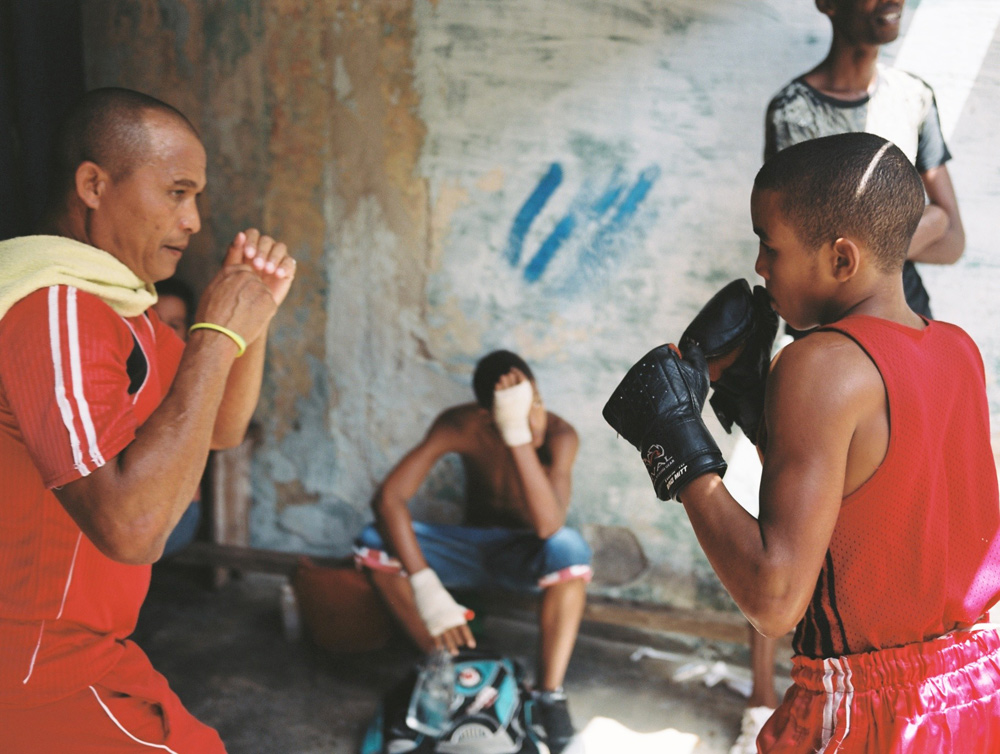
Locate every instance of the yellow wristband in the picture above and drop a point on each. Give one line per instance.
(240, 343)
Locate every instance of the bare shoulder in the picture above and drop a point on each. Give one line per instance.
(559, 426)
(824, 372)
(560, 434)
(462, 416)
(823, 347)
(459, 425)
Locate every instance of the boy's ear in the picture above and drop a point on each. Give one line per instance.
(826, 7)
(91, 182)
(845, 259)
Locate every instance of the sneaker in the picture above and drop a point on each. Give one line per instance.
(554, 713)
(750, 727)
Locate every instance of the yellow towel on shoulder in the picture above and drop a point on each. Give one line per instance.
(30, 263)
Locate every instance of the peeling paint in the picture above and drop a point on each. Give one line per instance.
(492, 181)
(450, 197)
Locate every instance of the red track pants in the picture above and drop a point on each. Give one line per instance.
(130, 711)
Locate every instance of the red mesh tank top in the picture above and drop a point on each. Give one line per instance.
(916, 549)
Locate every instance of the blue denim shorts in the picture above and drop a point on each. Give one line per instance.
(468, 557)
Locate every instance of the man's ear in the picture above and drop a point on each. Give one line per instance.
(91, 183)
(845, 259)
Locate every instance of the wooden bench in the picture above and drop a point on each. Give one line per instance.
(713, 625)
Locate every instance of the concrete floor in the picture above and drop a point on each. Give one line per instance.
(225, 655)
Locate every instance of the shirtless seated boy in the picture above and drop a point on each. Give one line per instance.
(518, 460)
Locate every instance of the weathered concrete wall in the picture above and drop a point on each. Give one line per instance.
(569, 179)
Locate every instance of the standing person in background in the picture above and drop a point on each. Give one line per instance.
(851, 91)
(518, 460)
(175, 304)
(106, 419)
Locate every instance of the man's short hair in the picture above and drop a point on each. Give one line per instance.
(108, 127)
(853, 185)
(490, 369)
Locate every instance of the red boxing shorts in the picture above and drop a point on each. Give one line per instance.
(132, 710)
(941, 695)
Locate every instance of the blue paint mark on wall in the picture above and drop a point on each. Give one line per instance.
(527, 214)
(604, 219)
(606, 238)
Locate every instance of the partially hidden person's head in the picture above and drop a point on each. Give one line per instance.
(175, 305)
(126, 173)
(869, 23)
(827, 208)
(489, 371)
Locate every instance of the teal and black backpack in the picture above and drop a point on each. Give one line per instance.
(490, 712)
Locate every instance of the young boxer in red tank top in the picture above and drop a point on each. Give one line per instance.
(879, 527)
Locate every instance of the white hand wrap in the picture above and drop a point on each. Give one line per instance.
(437, 609)
(511, 407)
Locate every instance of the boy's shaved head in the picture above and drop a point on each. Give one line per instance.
(107, 127)
(854, 185)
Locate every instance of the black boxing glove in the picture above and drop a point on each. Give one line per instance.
(735, 317)
(657, 407)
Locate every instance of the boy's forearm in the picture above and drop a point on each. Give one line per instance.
(734, 544)
(547, 514)
(728, 534)
(396, 526)
(937, 239)
(940, 236)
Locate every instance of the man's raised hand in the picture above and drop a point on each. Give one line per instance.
(265, 256)
(237, 300)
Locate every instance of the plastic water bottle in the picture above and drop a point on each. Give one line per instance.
(430, 706)
(290, 623)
